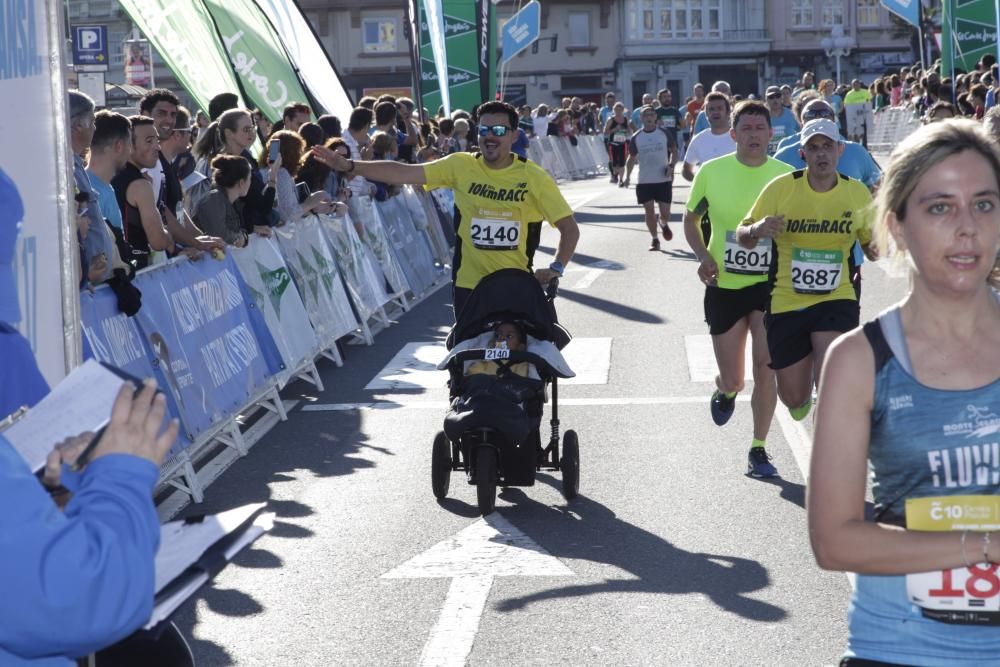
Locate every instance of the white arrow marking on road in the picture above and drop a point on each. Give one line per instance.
(490, 547)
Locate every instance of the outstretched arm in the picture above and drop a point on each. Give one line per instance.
(386, 171)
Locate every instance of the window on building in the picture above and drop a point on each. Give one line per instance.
(379, 35)
(674, 19)
(579, 28)
(833, 13)
(868, 13)
(802, 13)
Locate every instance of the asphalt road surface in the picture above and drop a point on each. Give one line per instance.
(671, 555)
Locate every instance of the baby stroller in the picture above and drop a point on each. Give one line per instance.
(492, 431)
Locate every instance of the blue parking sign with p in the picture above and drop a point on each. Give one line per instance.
(90, 45)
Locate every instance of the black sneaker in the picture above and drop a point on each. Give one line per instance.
(654, 244)
(722, 407)
(759, 464)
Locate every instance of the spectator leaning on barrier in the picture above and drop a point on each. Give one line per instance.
(233, 134)
(97, 241)
(291, 148)
(216, 213)
(176, 148)
(161, 105)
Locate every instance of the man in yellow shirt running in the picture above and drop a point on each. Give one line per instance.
(500, 199)
(813, 217)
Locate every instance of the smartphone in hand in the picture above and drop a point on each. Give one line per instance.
(302, 191)
(274, 151)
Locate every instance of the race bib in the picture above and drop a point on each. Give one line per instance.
(495, 353)
(738, 259)
(490, 234)
(618, 138)
(816, 271)
(966, 595)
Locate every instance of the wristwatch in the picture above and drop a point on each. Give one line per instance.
(557, 267)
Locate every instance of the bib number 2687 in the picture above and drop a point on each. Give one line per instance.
(816, 271)
(495, 234)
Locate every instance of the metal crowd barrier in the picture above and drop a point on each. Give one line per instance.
(891, 126)
(564, 161)
(223, 337)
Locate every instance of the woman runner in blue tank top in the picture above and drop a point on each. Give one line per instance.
(914, 398)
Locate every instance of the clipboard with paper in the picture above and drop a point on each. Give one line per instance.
(81, 403)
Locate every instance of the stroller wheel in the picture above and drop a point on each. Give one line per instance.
(570, 465)
(486, 479)
(441, 465)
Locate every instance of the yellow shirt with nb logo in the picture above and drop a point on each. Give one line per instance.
(498, 212)
(811, 262)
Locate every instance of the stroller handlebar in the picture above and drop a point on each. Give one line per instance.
(552, 289)
(510, 356)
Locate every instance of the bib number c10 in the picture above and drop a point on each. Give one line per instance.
(753, 262)
(489, 234)
(816, 271)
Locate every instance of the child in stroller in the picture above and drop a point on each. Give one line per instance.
(504, 352)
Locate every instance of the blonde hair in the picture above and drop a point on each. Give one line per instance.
(913, 158)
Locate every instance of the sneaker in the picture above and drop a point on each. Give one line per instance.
(614, 178)
(759, 464)
(654, 244)
(665, 230)
(722, 408)
(621, 184)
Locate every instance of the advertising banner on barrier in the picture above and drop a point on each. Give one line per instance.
(314, 269)
(269, 282)
(112, 337)
(197, 323)
(410, 246)
(365, 284)
(33, 192)
(425, 218)
(377, 243)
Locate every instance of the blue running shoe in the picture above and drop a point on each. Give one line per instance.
(759, 464)
(722, 408)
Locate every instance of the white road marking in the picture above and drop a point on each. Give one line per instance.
(489, 548)
(701, 359)
(563, 402)
(579, 201)
(415, 365)
(594, 271)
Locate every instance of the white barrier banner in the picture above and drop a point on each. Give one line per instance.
(270, 282)
(365, 284)
(425, 217)
(314, 269)
(38, 272)
(374, 237)
(411, 249)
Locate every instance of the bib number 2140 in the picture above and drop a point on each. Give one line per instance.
(495, 234)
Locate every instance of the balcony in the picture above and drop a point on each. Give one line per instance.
(725, 43)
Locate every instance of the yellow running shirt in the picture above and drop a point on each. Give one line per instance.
(811, 262)
(497, 212)
(724, 189)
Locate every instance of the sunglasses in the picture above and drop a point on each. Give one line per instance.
(497, 130)
(774, 96)
(818, 113)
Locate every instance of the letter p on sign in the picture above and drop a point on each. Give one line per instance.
(90, 40)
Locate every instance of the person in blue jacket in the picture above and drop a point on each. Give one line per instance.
(855, 161)
(77, 580)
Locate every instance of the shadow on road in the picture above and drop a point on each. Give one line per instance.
(611, 307)
(590, 531)
(589, 260)
(793, 492)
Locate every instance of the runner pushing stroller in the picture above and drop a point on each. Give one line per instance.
(503, 356)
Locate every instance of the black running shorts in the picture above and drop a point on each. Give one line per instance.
(726, 307)
(788, 334)
(660, 192)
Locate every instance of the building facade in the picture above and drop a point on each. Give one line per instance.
(587, 48)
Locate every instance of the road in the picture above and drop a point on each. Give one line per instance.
(670, 555)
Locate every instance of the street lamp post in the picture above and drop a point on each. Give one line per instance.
(837, 45)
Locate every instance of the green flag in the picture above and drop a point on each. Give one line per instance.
(470, 43)
(185, 38)
(969, 31)
(268, 77)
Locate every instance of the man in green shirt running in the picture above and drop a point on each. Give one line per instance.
(736, 279)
